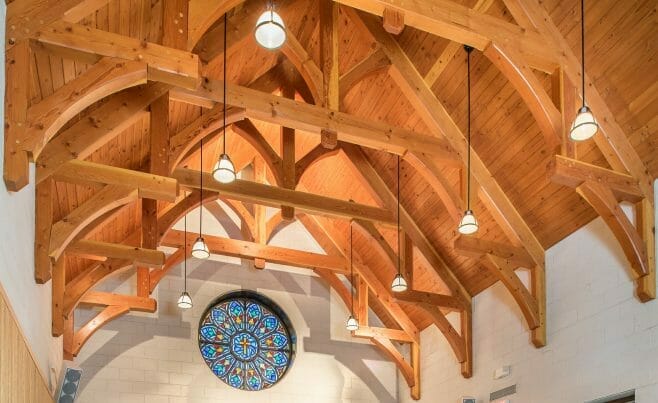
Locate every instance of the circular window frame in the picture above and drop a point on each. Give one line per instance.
(265, 302)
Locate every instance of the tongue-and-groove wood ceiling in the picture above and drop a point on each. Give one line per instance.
(621, 63)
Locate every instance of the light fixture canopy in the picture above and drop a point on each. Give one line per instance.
(184, 301)
(351, 324)
(200, 249)
(224, 170)
(399, 284)
(584, 127)
(468, 224)
(270, 30)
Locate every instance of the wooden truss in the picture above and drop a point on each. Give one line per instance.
(138, 78)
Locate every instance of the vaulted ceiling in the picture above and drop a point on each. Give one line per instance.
(398, 84)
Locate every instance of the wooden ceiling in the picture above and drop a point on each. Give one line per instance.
(621, 64)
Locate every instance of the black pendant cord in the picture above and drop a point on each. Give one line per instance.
(399, 243)
(225, 33)
(352, 268)
(468, 158)
(582, 46)
(185, 253)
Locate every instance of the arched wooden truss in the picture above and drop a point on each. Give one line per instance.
(171, 70)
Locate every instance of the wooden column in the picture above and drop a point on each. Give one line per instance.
(288, 160)
(43, 214)
(260, 219)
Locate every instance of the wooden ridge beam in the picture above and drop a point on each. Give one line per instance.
(97, 128)
(133, 302)
(461, 24)
(504, 272)
(103, 201)
(252, 250)
(165, 64)
(311, 118)
(573, 173)
(275, 197)
(477, 248)
(147, 257)
(150, 186)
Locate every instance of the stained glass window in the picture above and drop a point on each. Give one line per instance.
(246, 340)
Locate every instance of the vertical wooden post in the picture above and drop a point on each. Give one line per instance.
(43, 222)
(564, 96)
(538, 288)
(414, 352)
(393, 21)
(467, 337)
(17, 99)
(260, 219)
(69, 336)
(407, 259)
(288, 160)
(361, 301)
(58, 287)
(646, 285)
(329, 62)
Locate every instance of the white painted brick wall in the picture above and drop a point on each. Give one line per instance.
(601, 340)
(155, 358)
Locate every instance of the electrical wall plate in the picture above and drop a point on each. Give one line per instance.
(467, 400)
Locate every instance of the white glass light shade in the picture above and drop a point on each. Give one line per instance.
(584, 126)
(351, 324)
(399, 284)
(224, 170)
(468, 224)
(185, 301)
(200, 249)
(270, 31)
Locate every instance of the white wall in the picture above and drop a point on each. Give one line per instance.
(601, 340)
(30, 302)
(155, 357)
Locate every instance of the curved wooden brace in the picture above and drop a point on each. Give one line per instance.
(604, 202)
(254, 137)
(375, 63)
(105, 316)
(202, 14)
(48, 116)
(454, 339)
(318, 153)
(246, 218)
(504, 271)
(389, 349)
(104, 78)
(526, 83)
(275, 224)
(103, 201)
(305, 65)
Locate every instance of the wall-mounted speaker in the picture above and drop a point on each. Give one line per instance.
(68, 385)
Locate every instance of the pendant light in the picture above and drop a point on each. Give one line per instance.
(200, 249)
(351, 323)
(584, 126)
(399, 284)
(185, 301)
(224, 170)
(468, 224)
(270, 30)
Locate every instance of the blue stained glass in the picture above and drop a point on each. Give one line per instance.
(246, 340)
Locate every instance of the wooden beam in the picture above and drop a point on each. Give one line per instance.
(435, 115)
(504, 272)
(275, 197)
(368, 332)
(329, 63)
(97, 128)
(288, 165)
(424, 297)
(134, 303)
(645, 223)
(88, 329)
(393, 21)
(148, 257)
(414, 358)
(477, 248)
(604, 202)
(43, 221)
(301, 116)
(467, 337)
(148, 185)
(251, 250)
(361, 305)
(573, 173)
(58, 287)
(305, 65)
(460, 24)
(260, 218)
(103, 201)
(376, 62)
(393, 353)
(406, 258)
(250, 133)
(165, 64)
(538, 287)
